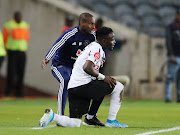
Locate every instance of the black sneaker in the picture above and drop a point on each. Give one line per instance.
(92, 122)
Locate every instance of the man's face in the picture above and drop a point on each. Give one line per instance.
(178, 18)
(110, 41)
(89, 25)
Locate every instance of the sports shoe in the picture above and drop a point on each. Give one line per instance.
(115, 123)
(46, 118)
(92, 122)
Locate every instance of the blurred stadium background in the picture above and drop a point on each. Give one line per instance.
(141, 22)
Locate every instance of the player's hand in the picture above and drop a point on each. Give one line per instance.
(111, 81)
(173, 59)
(44, 62)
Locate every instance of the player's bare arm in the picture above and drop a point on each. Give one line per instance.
(89, 69)
(44, 62)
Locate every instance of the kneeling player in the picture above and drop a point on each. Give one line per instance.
(87, 83)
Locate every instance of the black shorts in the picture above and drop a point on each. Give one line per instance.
(80, 97)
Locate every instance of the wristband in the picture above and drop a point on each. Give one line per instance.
(101, 76)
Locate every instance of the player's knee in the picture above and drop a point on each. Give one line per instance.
(119, 87)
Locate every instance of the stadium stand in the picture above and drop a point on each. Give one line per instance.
(151, 20)
(136, 14)
(123, 9)
(145, 9)
(160, 3)
(102, 10)
(138, 2)
(113, 2)
(167, 19)
(130, 21)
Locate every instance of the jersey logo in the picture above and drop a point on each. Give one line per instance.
(74, 43)
(97, 56)
(80, 43)
(78, 52)
(96, 67)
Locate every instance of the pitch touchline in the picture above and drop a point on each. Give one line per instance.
(26, 128)
(37, 128)
(160, 131)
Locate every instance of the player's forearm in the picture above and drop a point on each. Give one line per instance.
(51, 53)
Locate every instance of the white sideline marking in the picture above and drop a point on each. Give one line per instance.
(160, 131)
(38, 128)
(26, 128)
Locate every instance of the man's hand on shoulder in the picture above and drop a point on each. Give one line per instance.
(44, 62)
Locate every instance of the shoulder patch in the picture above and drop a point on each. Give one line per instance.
(97, 55)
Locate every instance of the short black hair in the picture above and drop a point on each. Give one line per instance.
(99, 21)
(69, 18)
(103, 32)
(16, 13)
(84, 16)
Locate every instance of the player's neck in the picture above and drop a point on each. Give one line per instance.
(82, 31)
(101, 45)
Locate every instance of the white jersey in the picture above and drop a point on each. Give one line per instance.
(92, 52)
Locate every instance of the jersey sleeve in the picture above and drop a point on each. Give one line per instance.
(60, 43)
(5, 35)
(94, 54)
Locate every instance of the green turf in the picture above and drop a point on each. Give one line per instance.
(18, 117)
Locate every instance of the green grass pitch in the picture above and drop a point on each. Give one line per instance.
(21, 117)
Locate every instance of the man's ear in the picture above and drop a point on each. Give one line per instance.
(81, 23)
(104, 41)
